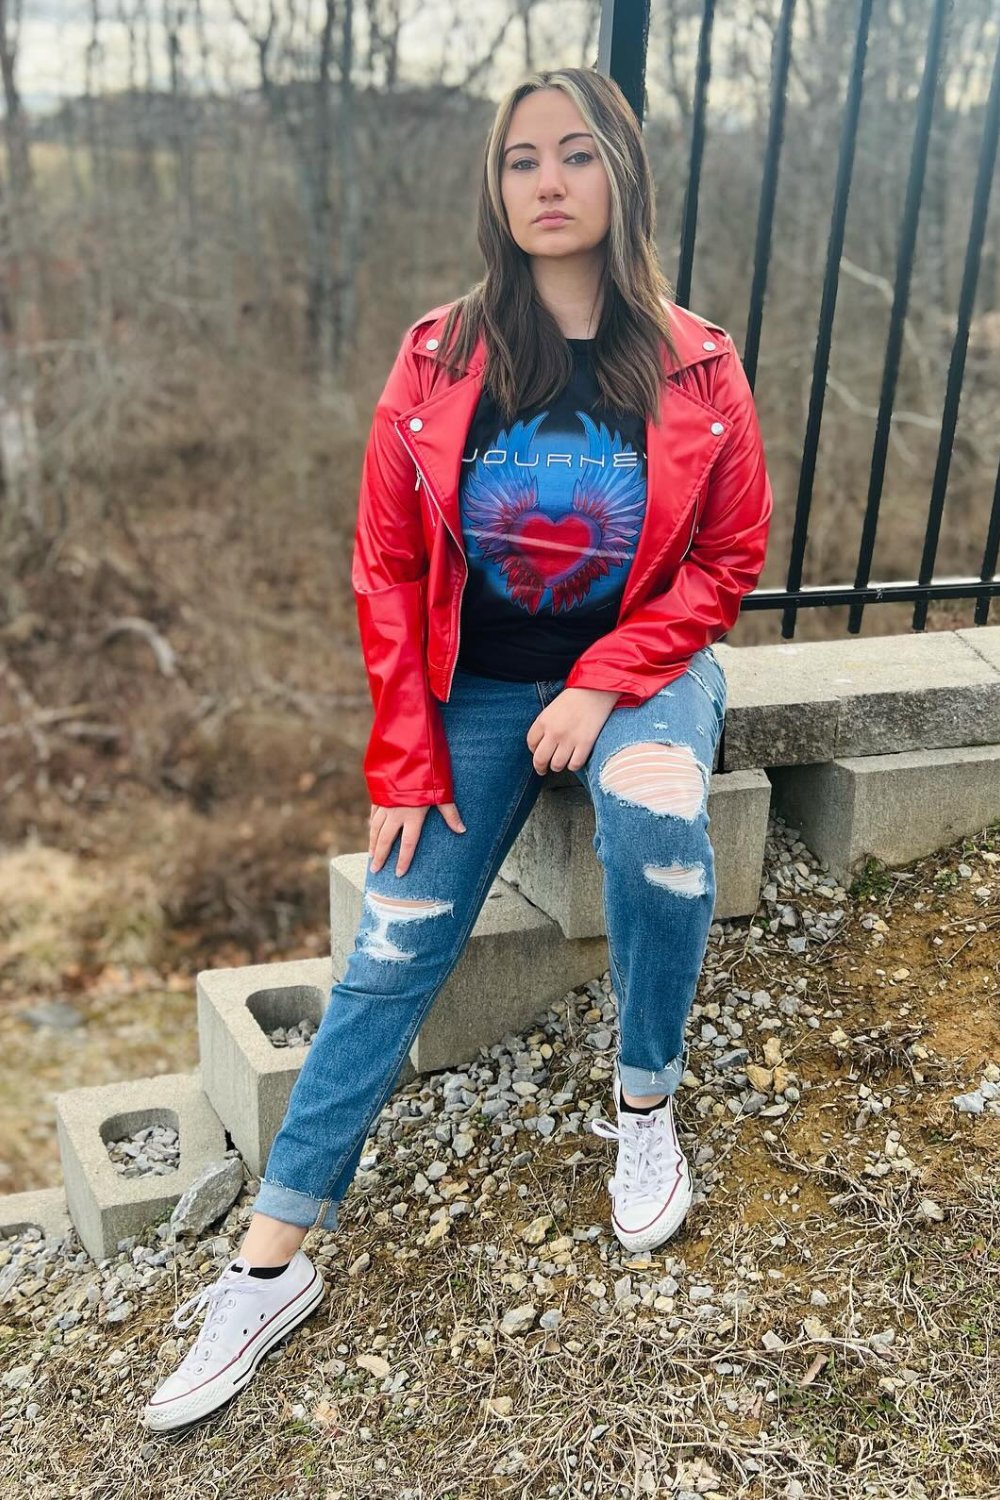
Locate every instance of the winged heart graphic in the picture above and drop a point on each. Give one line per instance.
(564, 551)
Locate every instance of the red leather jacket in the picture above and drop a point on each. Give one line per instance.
(701, 547)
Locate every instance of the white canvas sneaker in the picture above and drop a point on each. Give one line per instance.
(651, 1188)
(246, 1316)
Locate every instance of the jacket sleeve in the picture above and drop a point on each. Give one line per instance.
(406, 762)
(654, 644)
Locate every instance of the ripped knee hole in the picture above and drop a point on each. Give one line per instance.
(666, 779)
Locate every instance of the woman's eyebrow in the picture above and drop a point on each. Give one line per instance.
(527, 146)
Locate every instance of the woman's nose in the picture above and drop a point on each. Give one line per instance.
(550, 184)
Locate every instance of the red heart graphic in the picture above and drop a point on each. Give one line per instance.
(555, 549)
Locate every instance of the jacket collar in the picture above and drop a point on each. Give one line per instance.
(695, 337)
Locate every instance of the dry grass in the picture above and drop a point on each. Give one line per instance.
(52, 907)
(605, 1407)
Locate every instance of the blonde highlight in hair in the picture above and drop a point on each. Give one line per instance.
(528, 361)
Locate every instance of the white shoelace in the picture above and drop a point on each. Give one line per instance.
(211, 1297)
(647, 1155)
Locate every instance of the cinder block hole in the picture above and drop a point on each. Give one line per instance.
(285, 1007)
(11, 1231)
(143, 1142)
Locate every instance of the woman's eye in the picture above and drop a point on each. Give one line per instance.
(527, 160)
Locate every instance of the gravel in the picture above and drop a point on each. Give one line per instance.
(549, 1082)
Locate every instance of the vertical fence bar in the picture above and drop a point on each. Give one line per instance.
(988, 570)
(621, 48)
(768, 187)
(901, 293)
(828, 307)
(689, 213)
(956, 367)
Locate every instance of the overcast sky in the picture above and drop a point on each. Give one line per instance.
(55, 36)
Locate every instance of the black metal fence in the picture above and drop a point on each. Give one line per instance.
(622, 54)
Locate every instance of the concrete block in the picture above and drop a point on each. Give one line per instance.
(41, 1208)
(104, 1205)
(553, 861)
(515, 963)
(897, 807)
(738, 806)
(803, 702)
(247, 1079)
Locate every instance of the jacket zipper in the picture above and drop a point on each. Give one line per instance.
(694, 528)
(422, 478)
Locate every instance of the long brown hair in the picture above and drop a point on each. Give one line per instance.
(527, 358)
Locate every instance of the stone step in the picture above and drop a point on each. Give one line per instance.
(515, 963)
(39, 1208)
(247, 1079)
(104, 1205)
(897, 807)
(554, 864)
(799, 703)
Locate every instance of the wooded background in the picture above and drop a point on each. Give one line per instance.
(211, 250)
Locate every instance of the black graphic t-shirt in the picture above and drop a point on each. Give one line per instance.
(551, 513)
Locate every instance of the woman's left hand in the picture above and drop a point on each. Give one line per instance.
(563, 734)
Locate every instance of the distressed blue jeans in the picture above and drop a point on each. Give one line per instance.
(648, 776)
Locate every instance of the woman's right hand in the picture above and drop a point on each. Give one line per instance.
(386, 822)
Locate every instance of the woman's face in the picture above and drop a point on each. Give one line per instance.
(550, 164)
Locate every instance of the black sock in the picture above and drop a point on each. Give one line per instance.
(633, 1109)
(269, 1270)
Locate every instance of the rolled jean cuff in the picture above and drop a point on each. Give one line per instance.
(640, 1082)
(293, 1207)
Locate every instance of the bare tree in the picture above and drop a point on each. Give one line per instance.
(304, 113)
(181, 129)
(20, 308)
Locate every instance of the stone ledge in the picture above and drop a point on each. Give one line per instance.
(799, 703)
(897, 807)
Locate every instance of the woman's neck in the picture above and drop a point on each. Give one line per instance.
(570, 288)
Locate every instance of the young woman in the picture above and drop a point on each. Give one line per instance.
(563, 500)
